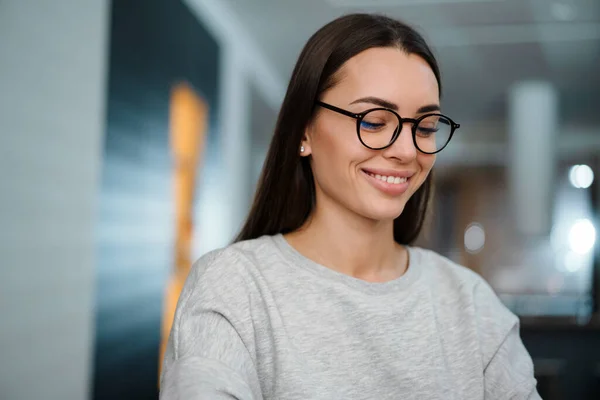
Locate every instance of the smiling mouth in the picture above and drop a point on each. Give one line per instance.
(396, 180)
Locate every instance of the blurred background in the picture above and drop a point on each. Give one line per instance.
(132, 134)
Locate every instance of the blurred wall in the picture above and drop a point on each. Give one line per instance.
(262, 124)
(153, 48)
(52, 84)
(245, 76)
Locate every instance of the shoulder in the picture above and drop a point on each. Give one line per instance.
(454, 283)
(465, 298)
(229, 268)
(444, 272)
(232, 258)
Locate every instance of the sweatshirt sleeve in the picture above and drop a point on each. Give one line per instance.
(507, 366)
(210, 352)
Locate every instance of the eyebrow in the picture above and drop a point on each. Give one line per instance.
(388, 104)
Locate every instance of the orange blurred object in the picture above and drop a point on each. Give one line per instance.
(188, 129)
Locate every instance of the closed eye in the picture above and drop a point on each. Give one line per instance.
(370, 125)
(425, 132)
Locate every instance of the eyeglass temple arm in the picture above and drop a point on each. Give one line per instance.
(337, 110)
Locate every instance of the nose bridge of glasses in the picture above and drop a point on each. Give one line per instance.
(406, 139)
(410, 123)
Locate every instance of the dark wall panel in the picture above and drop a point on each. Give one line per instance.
(153, 45)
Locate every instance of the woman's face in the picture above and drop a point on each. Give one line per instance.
(345, 171)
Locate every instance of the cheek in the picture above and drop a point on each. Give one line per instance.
(426, 162)
(428, 159)
(336, 148)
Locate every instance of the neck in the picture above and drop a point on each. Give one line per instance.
(351, 244)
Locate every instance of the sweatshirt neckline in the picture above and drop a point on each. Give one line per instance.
(378, 288)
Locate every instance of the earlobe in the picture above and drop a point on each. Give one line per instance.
(305, 149)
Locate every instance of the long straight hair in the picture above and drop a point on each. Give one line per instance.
(285, 195)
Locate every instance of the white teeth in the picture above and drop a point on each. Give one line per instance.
(389, 179)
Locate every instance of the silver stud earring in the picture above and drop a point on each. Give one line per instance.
(301, 149)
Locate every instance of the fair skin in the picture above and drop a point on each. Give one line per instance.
(351, 227)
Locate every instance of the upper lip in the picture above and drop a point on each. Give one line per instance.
(389, 172)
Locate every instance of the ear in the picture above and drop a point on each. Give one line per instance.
(305, 145)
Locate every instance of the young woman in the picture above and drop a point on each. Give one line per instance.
(322, 296)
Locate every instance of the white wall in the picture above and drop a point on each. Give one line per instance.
(52, 84)
(226, 199)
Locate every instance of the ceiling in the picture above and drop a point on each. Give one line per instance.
(483, 46)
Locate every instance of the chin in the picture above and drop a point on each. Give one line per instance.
(384, 210)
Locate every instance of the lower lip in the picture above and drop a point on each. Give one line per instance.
(393, 189)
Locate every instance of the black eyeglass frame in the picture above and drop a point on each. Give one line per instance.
(414, 121)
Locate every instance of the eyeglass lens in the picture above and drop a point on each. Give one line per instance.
(378, 128)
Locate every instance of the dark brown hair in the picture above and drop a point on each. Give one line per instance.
(285, 196)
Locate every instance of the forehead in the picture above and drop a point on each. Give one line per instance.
(389, 73)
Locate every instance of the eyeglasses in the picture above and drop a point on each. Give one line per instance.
(378, 128)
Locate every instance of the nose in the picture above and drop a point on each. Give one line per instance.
(403, 147)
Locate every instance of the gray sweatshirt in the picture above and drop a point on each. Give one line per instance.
(257, 320)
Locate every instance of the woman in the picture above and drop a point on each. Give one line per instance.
(322, 296)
